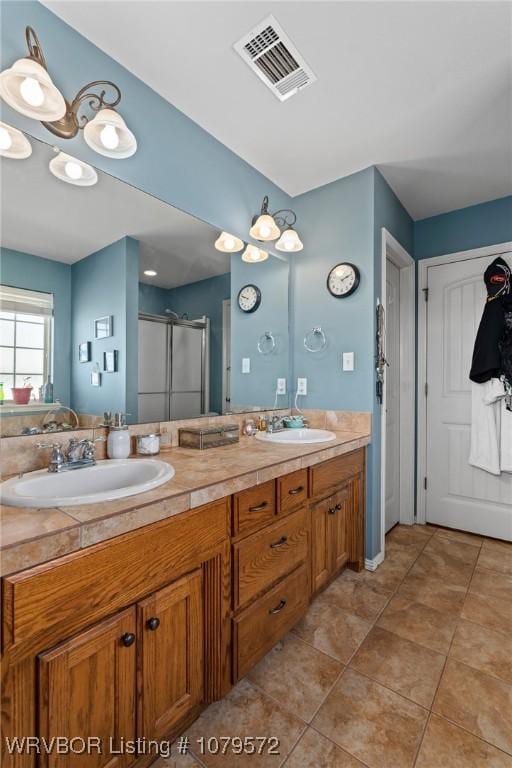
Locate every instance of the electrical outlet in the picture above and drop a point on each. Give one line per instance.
(246, 364)
(281, 386)
(348, 361)
(302, 386)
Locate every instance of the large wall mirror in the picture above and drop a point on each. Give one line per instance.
(112, 300)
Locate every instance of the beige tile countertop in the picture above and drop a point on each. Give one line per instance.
(29, 536)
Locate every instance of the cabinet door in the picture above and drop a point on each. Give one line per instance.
(171, 661)
(87, 689)
(341, 504)
(320, 543)
(355, 523)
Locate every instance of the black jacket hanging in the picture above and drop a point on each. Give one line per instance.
(486, 362)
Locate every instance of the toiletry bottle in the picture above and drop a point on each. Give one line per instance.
(2, 394)
(48, 391)
(118, 441)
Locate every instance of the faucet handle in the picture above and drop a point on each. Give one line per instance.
(48, 445)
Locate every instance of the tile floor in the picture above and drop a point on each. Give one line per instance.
(410, 665)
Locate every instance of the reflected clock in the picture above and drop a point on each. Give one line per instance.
(249, 298)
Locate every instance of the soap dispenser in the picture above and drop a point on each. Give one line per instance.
(118, 442)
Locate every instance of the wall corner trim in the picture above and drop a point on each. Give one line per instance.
(372, 565)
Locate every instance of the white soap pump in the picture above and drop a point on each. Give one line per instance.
(118, 442)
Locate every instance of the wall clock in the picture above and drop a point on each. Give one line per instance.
(343, 280)
(249, 298)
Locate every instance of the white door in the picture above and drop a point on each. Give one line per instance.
(392, 379)
(458, 495)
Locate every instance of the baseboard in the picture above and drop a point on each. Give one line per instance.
(372, 565)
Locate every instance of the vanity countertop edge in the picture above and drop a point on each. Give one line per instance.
(31, 536)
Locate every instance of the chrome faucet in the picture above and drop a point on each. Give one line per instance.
(80, 453)
(274, 424)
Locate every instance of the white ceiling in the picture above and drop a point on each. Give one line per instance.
(421, 89)
(47, 217)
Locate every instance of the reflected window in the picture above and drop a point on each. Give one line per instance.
(26, 329)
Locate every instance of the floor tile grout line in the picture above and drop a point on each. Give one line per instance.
(343, 749)
(470, 733)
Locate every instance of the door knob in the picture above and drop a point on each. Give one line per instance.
(128, 639)
(153, 623)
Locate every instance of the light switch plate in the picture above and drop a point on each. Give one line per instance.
(302, 386)
(281, 386)
(348, 361)
(246, 364)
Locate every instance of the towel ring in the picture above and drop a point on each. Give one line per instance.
(315, 340)
(266, 343)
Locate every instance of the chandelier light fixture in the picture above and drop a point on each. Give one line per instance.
(276, 226)
(28, 88)
(13, 143)
(228, 243)
(253, 254)
(72, 171)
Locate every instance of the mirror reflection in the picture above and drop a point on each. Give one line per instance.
(113, 301)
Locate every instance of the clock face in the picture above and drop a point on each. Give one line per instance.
(343, 279)
(249, 298)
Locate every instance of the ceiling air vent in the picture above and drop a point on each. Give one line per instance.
(271, 54)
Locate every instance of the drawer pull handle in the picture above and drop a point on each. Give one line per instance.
(295, 491)
(279, 607)
(259, 507)
(153, 623)
(331, 511)
(279, 543)
(128, 639)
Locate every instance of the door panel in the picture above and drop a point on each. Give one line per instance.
(392, 395)
(152, 407)
(171, 663)
(187, 345)
(152, 356)
(87, 688)
(321, 547)
(185, 405)
(458, 495)
(339, 522)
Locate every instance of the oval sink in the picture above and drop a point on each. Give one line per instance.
(105, 481)
(297, 436)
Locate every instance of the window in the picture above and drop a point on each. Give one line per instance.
(26, 319)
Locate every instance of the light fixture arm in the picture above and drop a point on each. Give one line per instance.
(284, 217)
(96, 102)
(35, 50)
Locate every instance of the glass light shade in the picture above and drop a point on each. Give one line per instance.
(289, 242)
(264, 228)
(228, 243)
(27, 87)
(108, 134)
(253, 254)
(13, 143)
(73, 171)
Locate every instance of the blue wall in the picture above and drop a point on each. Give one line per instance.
(259, 386)
(203, 297)
(34, 273)
(473, 227)
(105, 283)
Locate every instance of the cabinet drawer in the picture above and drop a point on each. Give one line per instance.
(331, 473)
(265, 557)
(292, 490)
(253, 508)
(265, 622)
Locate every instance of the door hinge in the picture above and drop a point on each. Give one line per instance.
(426, 389)
(425, 293)
(425, 483)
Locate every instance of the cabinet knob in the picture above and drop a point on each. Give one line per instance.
(128, 639)
(331, 511)
(153, 623)
(338, 507)
(279, 543)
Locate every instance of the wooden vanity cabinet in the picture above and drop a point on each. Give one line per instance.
(87, 686)
(329, 536)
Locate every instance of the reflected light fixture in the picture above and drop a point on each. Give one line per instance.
(228, 243)
(253, 254)
(267, 226)
(150, 272)
(13, 143)
(28, 88)
(72, 171)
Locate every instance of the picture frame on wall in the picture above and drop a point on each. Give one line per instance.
(104, 327)
(84, 352)
(96, 378)
(110, 361)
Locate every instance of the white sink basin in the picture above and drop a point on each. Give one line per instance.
(297, 436)
(107, 480)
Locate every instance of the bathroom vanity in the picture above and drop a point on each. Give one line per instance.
(134, 635)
